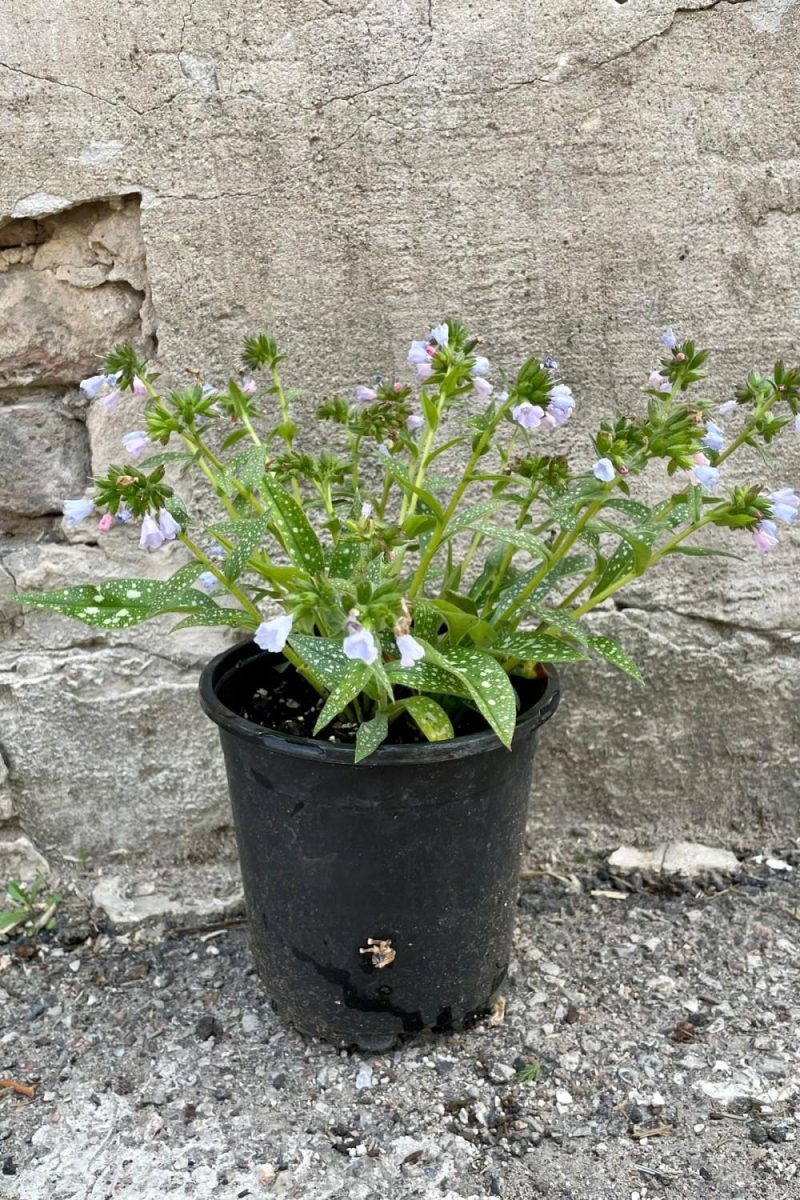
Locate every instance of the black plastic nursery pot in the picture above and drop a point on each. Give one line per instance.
(380, 897)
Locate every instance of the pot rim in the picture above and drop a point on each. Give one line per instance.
(222, 665)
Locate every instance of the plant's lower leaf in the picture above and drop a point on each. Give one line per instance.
(234, 618)
(370, 735)
(612, 652)
(324, 656)
(350, 685)
(488, 685)
(346, 557)
(120, 603)
(538, 647)
(10, 918)
(431, 718)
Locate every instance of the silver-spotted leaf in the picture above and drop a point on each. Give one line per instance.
(370, 735)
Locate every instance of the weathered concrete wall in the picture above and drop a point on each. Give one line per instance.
(568, 176)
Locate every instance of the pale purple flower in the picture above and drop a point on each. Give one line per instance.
(765, 536)
(111, 400)
(715, 438)
(151, 536)
(106, 522)
(603, 470)
(418, 353)
(360, 644)
(167, 525)
(76, 511)
(785, 505)
(501, 397)
(216, 551)
(273, 634)
(529, 416)
(424, 371)
(384, 450)
(365, 394)
(481, 366)
(549, 363)
(728, 407)
(668, 340)
(410, 650)
(139, 387)
(482, 386)
(249, 387)
(414, 421)
(136, 443)
(797, 423)
(562, 399)
(439, 334)
(98, 385)
(124, 514)
(367, 511)
(703, 474)
(207, 581)
(656, 380)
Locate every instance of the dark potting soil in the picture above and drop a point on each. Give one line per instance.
(287, 703)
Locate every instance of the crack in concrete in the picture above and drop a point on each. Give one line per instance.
(71, 87)
(779, 634)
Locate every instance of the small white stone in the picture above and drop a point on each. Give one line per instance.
(364, 1077)
(563, 1096)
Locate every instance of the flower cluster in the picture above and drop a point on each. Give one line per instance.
(398, 587)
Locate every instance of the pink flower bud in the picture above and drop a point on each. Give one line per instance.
(105, 523)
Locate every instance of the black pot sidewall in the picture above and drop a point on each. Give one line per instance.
(424, 853)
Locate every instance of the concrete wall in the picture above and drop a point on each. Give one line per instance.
(565, 175)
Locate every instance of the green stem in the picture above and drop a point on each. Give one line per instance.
(562, 544)
(210, 565)
(436, 540)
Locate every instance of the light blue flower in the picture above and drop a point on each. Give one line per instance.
(124, 514)
(549, 363)
(99, 385)
(482, 386)
(410, 650)
(365, 394)
(603, 470)
(167, 524)
(728, 407)
(419, 352)
(481, 366)
(207, 582)
(136, 443)
(668, 340)
(439, 334)
(715, 438)
(384, 450)
(274, 634)
(785, 505)
(151, 537)
(76, 511)
(414, 421)
(216, 551)
(797, 423)
(659, 382)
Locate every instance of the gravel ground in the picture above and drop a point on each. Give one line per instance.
(649, 1048)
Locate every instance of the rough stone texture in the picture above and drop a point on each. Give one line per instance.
(567, 178)
(47, 454)
(674, 858)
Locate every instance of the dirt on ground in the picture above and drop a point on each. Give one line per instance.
(649, 1048)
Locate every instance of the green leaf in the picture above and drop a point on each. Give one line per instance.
(350, 685)
(428, 677)
(247, 466)
(704, 552)
(175, 506)
(459, 622)
(370, 735)
(18, 895)
(346, 556)
(538, 647)
(477, 512)
(521, 539)
(570, 565)
(324, 656)
(294, 527)
(427, 620)
(120, 603)
(234, 618)
(631, 508)
(630, 558)
(613, 653)
(488, 685)
(431, 718)
(11, 918)
(562, 619)
(247, 535)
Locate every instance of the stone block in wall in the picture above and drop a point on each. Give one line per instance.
(44, 457)
(71, 285)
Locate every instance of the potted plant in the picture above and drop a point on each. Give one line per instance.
(403, 595)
